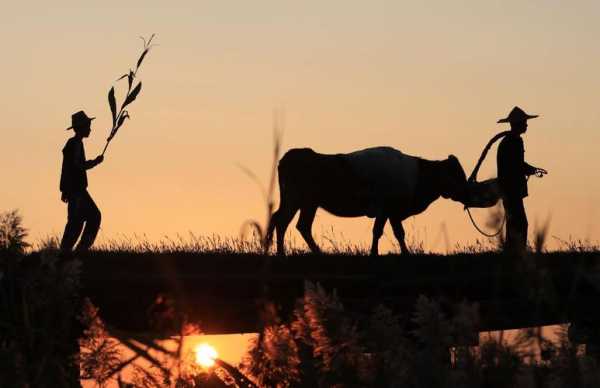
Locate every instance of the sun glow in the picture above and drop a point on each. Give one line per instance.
(205, 355)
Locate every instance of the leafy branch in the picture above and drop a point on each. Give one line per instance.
(119, 118)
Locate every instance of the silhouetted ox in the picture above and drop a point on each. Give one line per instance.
(381, 183)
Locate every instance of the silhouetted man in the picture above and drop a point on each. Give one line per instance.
(513, 173)
(73, 185)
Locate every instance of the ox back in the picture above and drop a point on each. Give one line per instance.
(308, 178)
(390, 177)
(360, 183)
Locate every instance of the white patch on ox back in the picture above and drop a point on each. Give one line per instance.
(389, 175)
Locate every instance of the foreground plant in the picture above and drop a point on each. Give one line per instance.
(261, 231)
(12, 234)
(38, 314)
(323, 345)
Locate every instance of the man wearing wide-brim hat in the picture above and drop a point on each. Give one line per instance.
(513, 173)
(73, 186)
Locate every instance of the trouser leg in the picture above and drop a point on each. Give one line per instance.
(92, 223)
(516, 225)
(75, 220)
(522, 227)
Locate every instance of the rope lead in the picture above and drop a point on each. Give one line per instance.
(473, 178)
(481, 231)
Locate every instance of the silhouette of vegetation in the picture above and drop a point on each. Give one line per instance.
(100, 357)
(118, 118)
(38, 310)
(12, 234)
(261, 232)
(322, 344)
(49, 338)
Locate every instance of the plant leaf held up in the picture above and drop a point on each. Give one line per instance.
(118, 118)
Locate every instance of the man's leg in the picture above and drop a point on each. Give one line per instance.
(511, 225)
(521, 227)
(516, 226)
(92, 223)
(75, 219)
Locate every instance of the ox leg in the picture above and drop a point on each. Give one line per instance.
(304, 226)
(377, 233)
(271, 229)
(284, 217)
(399, 233)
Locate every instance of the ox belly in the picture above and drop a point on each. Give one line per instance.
(389, 176)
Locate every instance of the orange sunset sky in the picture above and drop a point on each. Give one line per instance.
(429, 78)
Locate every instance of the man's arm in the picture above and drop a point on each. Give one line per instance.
(86, 164)
(531, 170)
(528, 169)
(93, 163)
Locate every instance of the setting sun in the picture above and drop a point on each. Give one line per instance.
(205, 355)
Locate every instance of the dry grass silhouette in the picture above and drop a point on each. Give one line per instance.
(321, 345)
(259, 230)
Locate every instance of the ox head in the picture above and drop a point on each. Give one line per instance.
(453, 180)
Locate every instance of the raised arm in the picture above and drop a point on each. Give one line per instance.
(81, 164)
(93, 162)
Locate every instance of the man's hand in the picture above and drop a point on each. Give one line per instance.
(540, 172)
(99, 159)
(64, 198)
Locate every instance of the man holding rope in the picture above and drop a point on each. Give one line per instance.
(513, 173)
(73, 185)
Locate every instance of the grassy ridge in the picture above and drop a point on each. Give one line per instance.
(324, 341)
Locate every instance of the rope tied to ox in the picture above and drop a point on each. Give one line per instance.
(483, 232)
(473, 179)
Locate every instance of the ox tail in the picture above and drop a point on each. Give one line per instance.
(287, 170)
(273, 219)
(270, 230)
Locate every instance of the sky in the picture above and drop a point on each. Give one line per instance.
(428, 78)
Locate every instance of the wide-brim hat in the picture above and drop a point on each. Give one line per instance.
(517, 114)
(80, 118)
